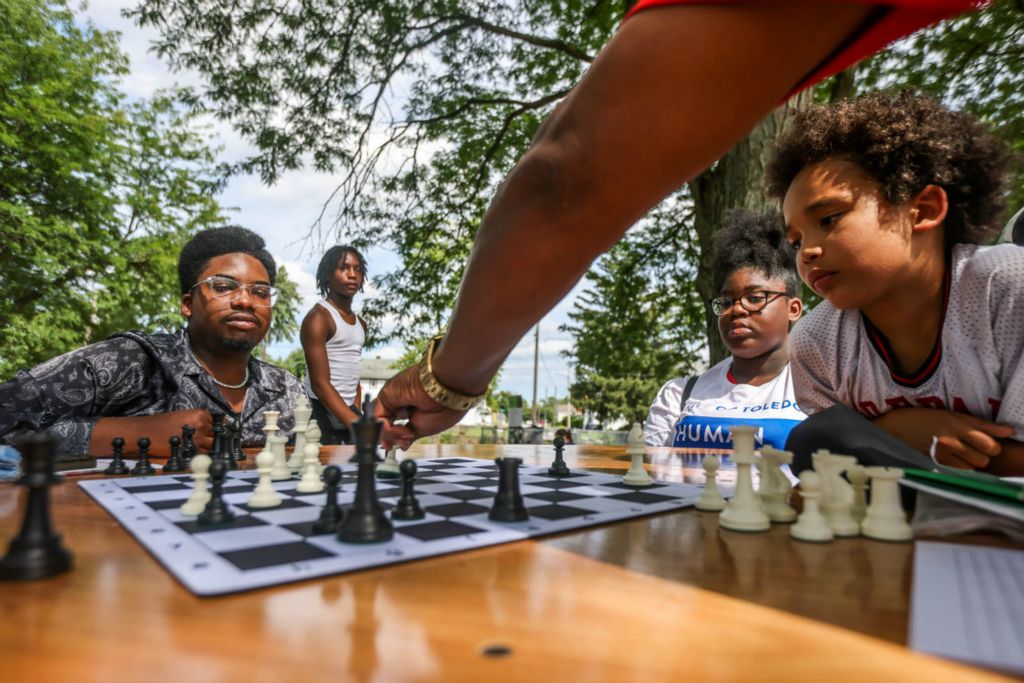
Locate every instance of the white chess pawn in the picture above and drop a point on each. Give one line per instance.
(775, 486)
(836, 493)
(299, 451)
(310, 482)
(637, 475)
(858, 477)
(200, 496)
(265, 496)
(711, 499)
(885, 519)
(743, 512)
(280, 470)
(389, 468)
(811, 525)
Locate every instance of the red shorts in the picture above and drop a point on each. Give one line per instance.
(892, 20)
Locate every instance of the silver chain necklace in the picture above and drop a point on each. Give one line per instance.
(225, 385)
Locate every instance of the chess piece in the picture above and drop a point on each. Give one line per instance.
(836, 493)
(265, 495)
(775, 487)
(508, 501)
(558, 467)
(389, 469)
(858, 477)
(331, 515)
(117, 465)
(310, 482)
(36, 552)
(216, 511)
(197, 500)
(711, 499)
(217, 429)
(276, 443)
(313, 436)
(637, 475)
(811, 525)
(238, 455)
(143, 468)
(188, 444)
(227, 445)
(885, 519)
(743, 512)
(365, 521)
(299, 449)
(175, 462)
(407, 508)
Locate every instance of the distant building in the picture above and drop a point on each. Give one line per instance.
(373, 372)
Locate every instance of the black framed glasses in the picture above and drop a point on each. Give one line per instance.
(220, 287)
(752, 302)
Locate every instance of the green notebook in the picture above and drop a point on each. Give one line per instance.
(971, 482)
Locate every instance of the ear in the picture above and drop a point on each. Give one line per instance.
(929, 208)
(796, 309)
(186, 304)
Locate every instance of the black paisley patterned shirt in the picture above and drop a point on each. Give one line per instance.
(133, 374)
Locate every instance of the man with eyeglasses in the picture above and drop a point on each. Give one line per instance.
(137, 385)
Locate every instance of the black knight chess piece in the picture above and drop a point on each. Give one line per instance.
(365, 521)
(508, 501)
(407, 508)
(175, 463)
(558, 467)
(143, 468)
(36, 552)
(117, 465)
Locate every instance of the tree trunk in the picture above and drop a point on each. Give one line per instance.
(735, 180)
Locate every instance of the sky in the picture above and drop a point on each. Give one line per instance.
(285, 210)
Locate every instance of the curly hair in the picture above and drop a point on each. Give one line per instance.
(905, 141)
(330, 260)
(208, 244)
(749, 239)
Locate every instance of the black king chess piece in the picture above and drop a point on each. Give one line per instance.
(143, 468)
(558, 467)
(407, 507)
(117, 465)
(365, 521)
(36, 552)
(508, 502)
(175, 462)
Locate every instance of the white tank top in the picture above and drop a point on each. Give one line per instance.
(343, 352)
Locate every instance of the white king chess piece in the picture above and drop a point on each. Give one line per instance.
(743, 512)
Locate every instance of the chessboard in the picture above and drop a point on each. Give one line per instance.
(267, 547)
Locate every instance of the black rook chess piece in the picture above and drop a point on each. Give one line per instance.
(365, 521)
(117, 465)
(407, 507)
(508, 502)
(558, 467)
(216, 511)
(330, 516)
(36, 552)
(143, 468)
(174, 463)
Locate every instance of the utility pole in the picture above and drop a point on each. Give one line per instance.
(536, 356)
(568, 396)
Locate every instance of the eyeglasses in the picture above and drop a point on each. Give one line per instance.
(752, 302)
(226, 288)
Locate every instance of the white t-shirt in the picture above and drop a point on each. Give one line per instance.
(716, 403)
(977, 367)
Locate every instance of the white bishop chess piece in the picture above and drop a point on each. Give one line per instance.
(637, 475)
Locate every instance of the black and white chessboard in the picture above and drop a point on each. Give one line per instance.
(266, 547)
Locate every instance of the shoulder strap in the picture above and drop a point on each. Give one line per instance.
(687, 390)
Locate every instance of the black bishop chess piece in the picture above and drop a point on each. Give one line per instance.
(508, 501)
(237, 454)
(558, 467)
(331, 515)
(188, 444)
(407, 508)
(36, 552)
(216, 512)
(143, 468)
(365, 521)
(175, 463)
(117, 465)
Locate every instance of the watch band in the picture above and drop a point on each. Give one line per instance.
(448, 398)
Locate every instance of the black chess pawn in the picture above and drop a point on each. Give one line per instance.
(331, 515)
(143, 468)
(117, 465)
(558, 467)
(36, 552)
(188, 444)
(216, 511)
(407, 508)
(508, 501)
(175, 463)
(365, 521)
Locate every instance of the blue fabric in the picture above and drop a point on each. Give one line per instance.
(9, 461)
(696, 431)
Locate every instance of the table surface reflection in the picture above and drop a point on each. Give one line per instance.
(667, 596)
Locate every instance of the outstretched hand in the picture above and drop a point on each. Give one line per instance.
(403, 398)
(962, 440)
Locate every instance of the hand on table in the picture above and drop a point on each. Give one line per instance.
(964, 441)
(157, 428)
(403, 398)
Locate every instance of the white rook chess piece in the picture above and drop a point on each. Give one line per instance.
(196, 502)
(743, 512)
(811, 525)
(836, 493)
(710, 498)
(775, 486)
(265, 496)
(858, 477)
(313, 436)
(637, 475)
(310, 482)
(885, 519)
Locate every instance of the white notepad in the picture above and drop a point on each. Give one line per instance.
(967, 603)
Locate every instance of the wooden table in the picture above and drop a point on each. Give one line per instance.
(669, 597)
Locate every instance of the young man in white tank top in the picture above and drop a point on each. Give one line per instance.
(332, 339)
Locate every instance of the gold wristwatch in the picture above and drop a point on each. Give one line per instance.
(439, 392)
